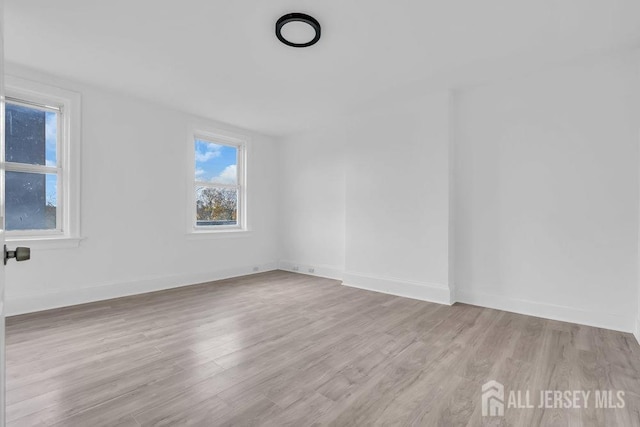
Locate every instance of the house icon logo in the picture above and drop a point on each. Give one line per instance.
(492, 399)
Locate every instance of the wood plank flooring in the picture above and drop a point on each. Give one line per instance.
(285, 349)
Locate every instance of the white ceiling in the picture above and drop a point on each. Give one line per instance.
(221, 59)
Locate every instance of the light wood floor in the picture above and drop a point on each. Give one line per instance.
(286, 349)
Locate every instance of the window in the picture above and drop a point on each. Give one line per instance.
(32, 171)
(41, 185)
(218, 186)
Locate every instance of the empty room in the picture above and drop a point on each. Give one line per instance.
(338, 213)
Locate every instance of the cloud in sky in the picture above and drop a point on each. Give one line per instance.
(228, 176)
(212, 151)
(215, 163)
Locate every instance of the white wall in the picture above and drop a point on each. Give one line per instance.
(312, 187)
(547, 193)
(541, 216)
(367, 198)
(134, 210)
(397, 189)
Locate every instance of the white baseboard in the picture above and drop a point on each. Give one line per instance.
(327, 271)
(64, 298)
(431, 292)
(614, 322)
(422, 291)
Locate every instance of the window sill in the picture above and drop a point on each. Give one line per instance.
(44, 243)
(218, 234)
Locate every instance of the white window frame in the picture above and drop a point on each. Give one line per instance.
(67, 168)
(221, 137)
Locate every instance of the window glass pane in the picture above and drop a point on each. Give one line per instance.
(31, 201)
(51, 138)
(216, 162)
(216, 206)
(31, 135)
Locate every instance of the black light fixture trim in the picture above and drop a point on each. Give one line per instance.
(297, 17)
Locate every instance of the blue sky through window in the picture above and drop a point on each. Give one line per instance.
(51, 148)
(51, 138)
(216, 163)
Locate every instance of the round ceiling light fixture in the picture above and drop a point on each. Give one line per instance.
(298, 30)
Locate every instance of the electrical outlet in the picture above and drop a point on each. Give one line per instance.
(295, 268)
(256, 268)
(312, 270)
